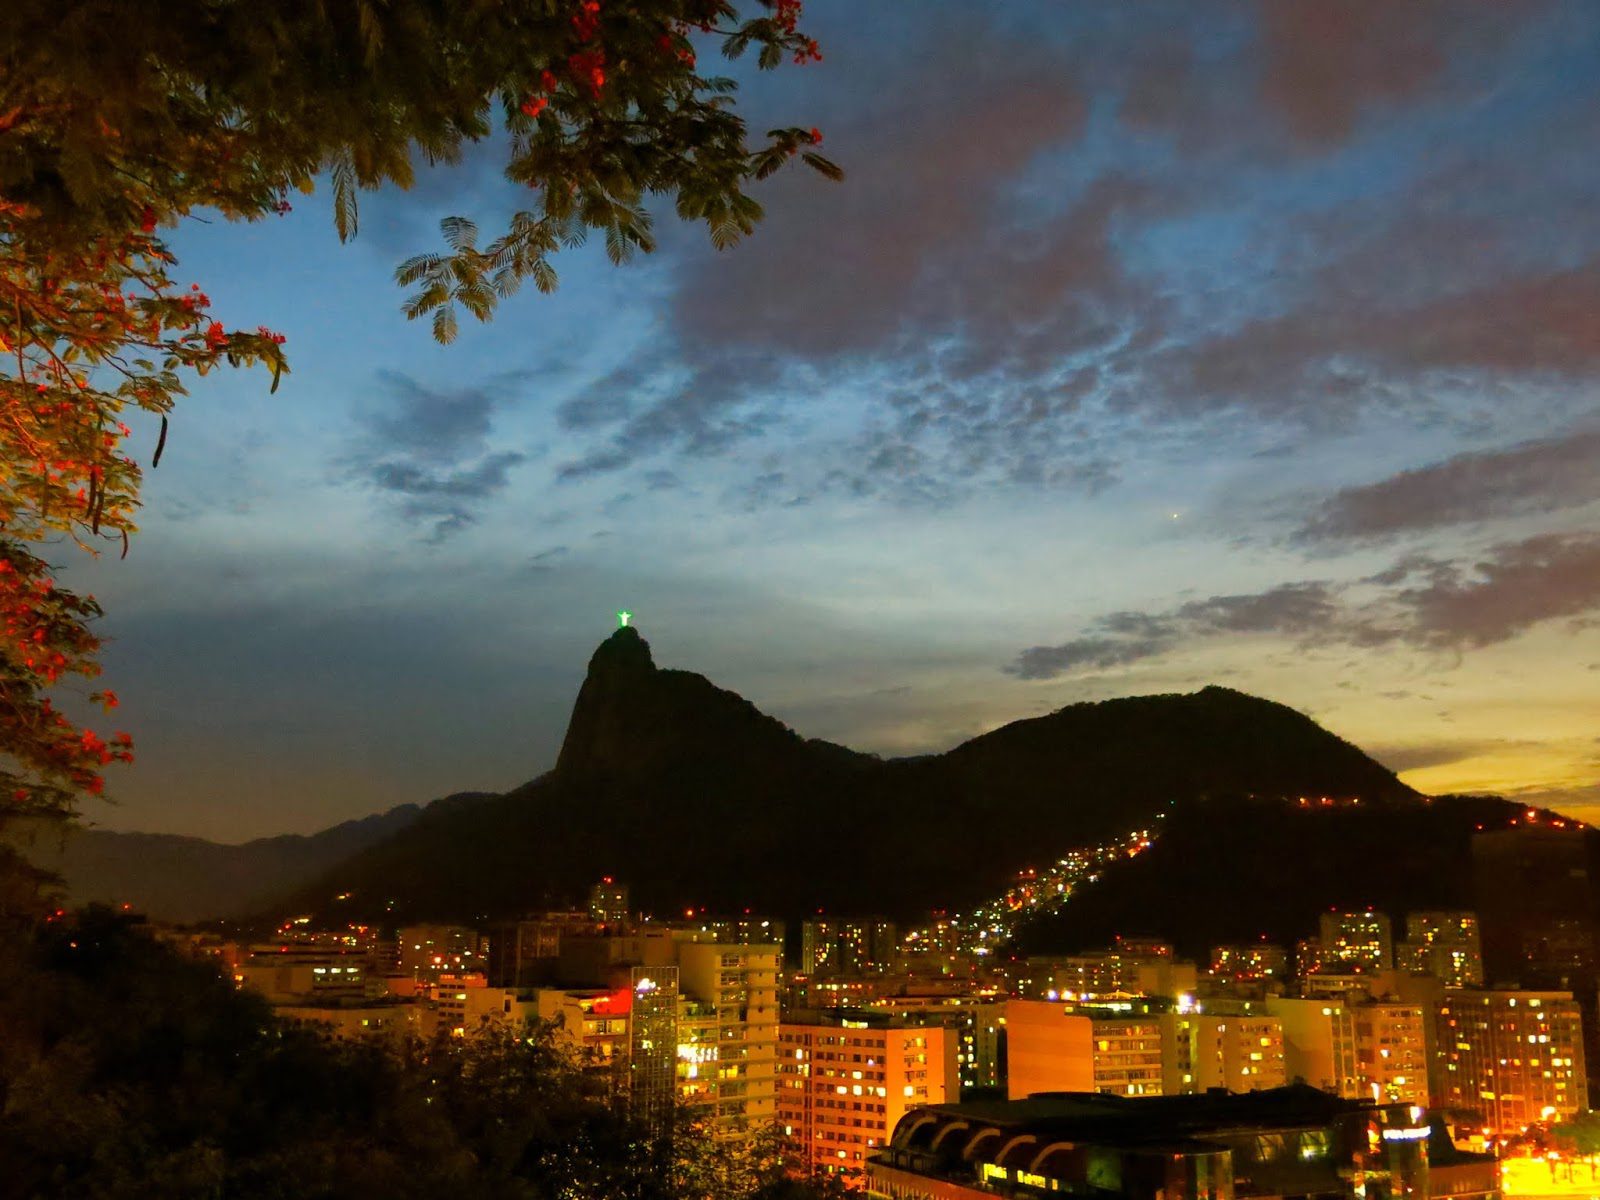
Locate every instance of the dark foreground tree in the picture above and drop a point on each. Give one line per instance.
(121, 118)
(127, 1070)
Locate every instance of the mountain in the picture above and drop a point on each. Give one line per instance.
(174, 878)
(695, 798)
(1235, 869)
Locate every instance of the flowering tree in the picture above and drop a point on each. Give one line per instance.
(120, 118)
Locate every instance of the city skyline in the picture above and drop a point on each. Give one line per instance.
(797, 599)
(1132, 355)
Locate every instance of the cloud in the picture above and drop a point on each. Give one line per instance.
(1098, 653)
(1538, 476)
(1328, 356)
(1324, 64)
(933, 139)
(1121, 638)
(547, 560)
(429, 451)
(1426, 604)
(1504, 592)
(974, 383)
(1263, 76)
(939, 284)
(1433, 754)
(1291, 608)
(1009, 288)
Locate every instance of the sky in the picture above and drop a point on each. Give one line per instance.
(1145, 346)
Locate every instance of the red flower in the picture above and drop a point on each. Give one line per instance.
(589, 66)
(548, 81)
(534, 105)
(216, 335)
(147, 220)
(816, 137)
(586, 21)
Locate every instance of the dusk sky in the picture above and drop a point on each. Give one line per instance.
(1145, 346)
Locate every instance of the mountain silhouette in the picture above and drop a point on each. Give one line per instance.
(697, 799)
(174, 878)
(1236, 868)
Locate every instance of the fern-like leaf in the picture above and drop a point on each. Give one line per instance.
(416, 268)
(825, 167)
(343, 177)
(459, 233)
(617, 248)
(371, 30)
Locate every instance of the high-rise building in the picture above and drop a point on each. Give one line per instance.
(1248, 962)
(980, 1032)
(425, 952)
(1319, 1043)
(1354, 942)
(1391, 1051)
(307, 974)
(523, 954)
(844, 1084)
(1204, 1051)
(727, 1051)
(816, 946)
(765, 931)
(941, 935)
(595, 1021)
(1536, 903)
(977, 1020)
(1107, 973)
(831, 946)
(702, 1018)
(1514, 1056)
(464, 1007)
(1143, 947)
(1536, 907)
(1445, 945)
(1054, 1047)
(652, 1070)
(1355, 1046)
(608, 902)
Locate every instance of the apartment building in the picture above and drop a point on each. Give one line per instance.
(844, 1084)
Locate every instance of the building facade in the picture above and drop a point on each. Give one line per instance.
(1445, 945)
(844, 1084)
(608, 902)
(727, 1054)
(1052, 1047)
(1515, 1057)
(1354, 943)
(1319, 1043)
(1391, 1041)
(1249, 962)
(1204, 1051)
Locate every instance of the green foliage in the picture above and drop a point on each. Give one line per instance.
(126, 1070)
(120, 118)
(1581, 1135)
